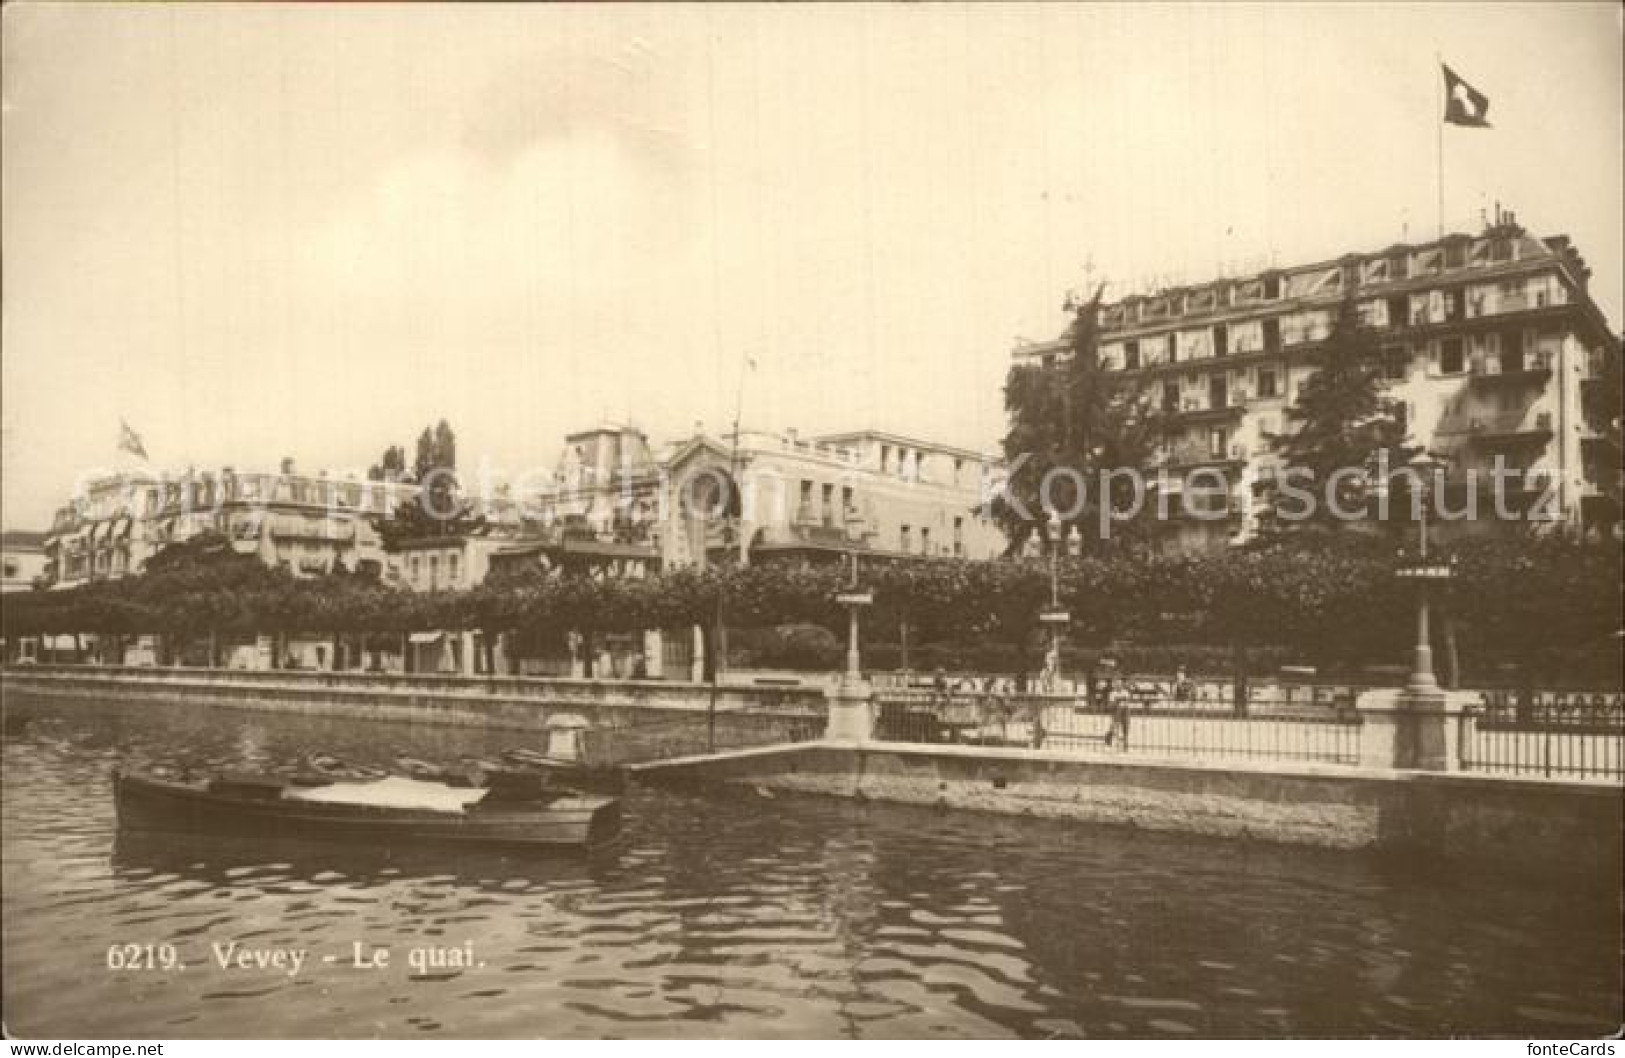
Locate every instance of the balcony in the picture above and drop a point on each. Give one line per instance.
(817, 536)
(1193, 415)
(1509, 431)
(1521, 376)
(1184, 459)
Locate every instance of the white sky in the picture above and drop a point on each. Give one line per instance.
(307, 231)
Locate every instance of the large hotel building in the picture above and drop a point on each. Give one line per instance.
(1491, 345)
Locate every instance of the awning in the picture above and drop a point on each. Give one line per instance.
(426, 637)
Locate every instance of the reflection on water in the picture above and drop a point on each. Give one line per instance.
(736, 914)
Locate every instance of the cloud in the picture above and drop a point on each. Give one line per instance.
(631, 93)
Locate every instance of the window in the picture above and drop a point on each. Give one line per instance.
(1272, 335)
(412, 564)
(1173, 347)
(1048, 360)
(1450, 356)
(1170, 396)
(885, 457)
(1221, 340)
(846, 501)
(1512, 352)
(959, 466)
(12, 568)
(1218, 442)
(1266, 383)
(1398, 268)
(925, 540)
(452, 571)
(1397, 311)
(1396, 363)
(805, 511)
(959, 537)
(904, 538)
(1131, 355)
(1272, 287)
(1501, 250)
(434, 571)
(1455, 255)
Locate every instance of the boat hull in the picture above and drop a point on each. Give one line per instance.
(146, 803)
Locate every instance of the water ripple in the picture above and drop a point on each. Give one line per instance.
(721, 916)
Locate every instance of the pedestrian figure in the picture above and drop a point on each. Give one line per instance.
(1184, 688)
(1117, 700)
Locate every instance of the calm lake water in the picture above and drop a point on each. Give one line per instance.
(737, 914)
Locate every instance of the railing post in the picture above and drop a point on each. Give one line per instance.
(851, 710)
(1466, 728)
(1405, 728)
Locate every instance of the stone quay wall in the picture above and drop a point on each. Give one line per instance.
(620, 720)
(1529, 824)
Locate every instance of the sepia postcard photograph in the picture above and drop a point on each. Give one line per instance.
(892, 521)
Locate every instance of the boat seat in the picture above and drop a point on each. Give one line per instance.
(391, 792)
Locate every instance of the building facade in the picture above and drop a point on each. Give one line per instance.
(306, 524)
(22, 555)
(1491, 344)
(867, 492)
(762, 496)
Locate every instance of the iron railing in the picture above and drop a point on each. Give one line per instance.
(1148, 724)
(1560, 736)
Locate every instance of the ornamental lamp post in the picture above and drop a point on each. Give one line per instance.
(854, 600)
(1424, 569)
(1053, 615)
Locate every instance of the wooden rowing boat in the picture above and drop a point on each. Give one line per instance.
(507, 810)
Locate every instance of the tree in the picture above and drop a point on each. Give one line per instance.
(1338, 427)
(1069, 422)
(391, 466)
(439, 510)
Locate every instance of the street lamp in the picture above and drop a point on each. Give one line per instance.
(1424, 570)
(854, 600)
(1054, 616)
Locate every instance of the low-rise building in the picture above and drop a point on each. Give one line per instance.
(306, 524)
(622, 506)
(23, 557)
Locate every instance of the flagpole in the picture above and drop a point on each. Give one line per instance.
(1438, 119)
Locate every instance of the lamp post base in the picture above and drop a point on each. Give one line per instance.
(851, 709)
(1422, 680)
(1403, 728)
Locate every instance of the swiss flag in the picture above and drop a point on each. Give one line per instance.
(1464, 104)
